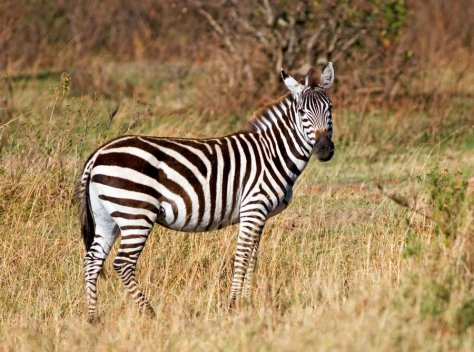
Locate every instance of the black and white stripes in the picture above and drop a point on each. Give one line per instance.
(133, 182)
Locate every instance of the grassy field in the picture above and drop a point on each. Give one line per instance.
(375, 253)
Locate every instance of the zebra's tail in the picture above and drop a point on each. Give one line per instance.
(82, 197)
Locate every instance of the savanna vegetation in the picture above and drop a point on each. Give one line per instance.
(375, 253)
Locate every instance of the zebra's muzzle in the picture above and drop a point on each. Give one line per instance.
(324, 149)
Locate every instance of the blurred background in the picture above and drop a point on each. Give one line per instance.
(384, 50)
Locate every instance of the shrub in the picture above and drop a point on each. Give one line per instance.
(465, 314)
(449, 203)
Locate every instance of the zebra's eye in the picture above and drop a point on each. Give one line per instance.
(301, 112)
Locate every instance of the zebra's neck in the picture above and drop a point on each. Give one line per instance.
(270, 114)
(281, 134)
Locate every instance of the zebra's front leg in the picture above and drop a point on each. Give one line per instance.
(247, 286)
(125, 263)
(247, 242)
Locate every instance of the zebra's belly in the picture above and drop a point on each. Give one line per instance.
(171, 219)
(198, 228)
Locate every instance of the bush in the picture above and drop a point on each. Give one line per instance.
(449, 203)
(465, 315)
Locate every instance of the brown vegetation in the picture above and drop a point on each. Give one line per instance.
(379, 48)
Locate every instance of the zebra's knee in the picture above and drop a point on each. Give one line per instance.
(91, 260)
(89, 257)
(122, 266)
(118, 266)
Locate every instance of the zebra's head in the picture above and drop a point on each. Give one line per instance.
(312, 109)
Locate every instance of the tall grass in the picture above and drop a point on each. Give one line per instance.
(344, 268)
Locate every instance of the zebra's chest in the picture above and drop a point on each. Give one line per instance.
(280, 202)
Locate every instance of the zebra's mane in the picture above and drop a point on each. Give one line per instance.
(253, 125)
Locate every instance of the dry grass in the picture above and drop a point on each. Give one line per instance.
(344, 268)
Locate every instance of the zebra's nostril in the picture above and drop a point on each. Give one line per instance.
(324, 148)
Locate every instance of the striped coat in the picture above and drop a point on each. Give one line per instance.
(133, 182)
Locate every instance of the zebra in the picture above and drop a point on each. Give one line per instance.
(134, 181)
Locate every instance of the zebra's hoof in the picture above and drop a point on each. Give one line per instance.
(149, 313)
(94, 320)
(233, 305)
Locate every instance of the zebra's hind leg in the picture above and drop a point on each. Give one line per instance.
(93, 263)
(249, 234)
(131, 245)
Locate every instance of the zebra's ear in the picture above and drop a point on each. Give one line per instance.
(292, 84)
(327, 75)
